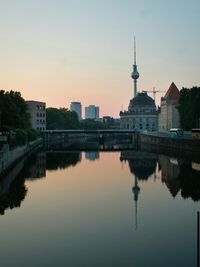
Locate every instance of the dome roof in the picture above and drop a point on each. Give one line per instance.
(142, 99)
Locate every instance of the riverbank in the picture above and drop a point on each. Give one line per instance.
(178, 144)
(8, 157)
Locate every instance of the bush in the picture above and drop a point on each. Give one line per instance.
(21, 137)
(32, 134)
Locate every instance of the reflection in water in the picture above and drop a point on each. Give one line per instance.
(180, 175)
(87, 221)
(12, 186)
(92, 155)
(136, 191)
(62, 160)
(170, 173)
(142, 165)
(189, 182)
(37, 168)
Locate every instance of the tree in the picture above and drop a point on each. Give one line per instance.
(13, 110)
(92, 124)
(61, 119)
(189, 107)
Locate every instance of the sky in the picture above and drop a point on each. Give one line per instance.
(58, 51)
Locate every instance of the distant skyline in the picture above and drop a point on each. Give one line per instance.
(66, 50)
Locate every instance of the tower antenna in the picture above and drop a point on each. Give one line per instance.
(134, 51)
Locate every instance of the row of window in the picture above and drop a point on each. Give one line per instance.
(140, 126)
(40, 114)
(143, 110)
(40, 128)
(140, 120)
(39, 107)
(41, 122)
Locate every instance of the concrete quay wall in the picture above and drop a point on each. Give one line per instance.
(9, 157)
(174, 143)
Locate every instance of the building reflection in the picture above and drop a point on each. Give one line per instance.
(181, 175)
(142, 165)
(92, 155)
(170, 173)
(37, 168)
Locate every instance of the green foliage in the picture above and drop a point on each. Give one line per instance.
(32, 134)
(61, 119)
(92, 124)
(189, 107)
(21, 137)
(13, 111)
(65, 119)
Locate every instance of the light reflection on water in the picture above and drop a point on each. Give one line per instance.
(128, 208)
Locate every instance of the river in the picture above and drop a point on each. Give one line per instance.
(100, 209)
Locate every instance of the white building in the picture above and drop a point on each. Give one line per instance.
(169, 116)
(141, 115)
(37, 111)
(77, 107)
(92, 112)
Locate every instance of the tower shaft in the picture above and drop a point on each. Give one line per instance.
(135, 74)
(135, 87)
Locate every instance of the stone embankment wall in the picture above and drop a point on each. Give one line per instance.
(175, 143)
(9, 157)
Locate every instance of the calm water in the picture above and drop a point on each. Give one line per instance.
(104, 209)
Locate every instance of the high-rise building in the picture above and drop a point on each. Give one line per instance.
(92, 112)
(77, 107)
(37, 111)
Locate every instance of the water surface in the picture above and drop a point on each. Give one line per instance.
(105, 209)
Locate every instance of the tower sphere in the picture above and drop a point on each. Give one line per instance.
(135, 74)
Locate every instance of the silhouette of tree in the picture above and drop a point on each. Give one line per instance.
(14, 110)
(189, 182)
(189, 108)
(61, 119)
(56, 161)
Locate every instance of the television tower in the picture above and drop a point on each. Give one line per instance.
(135, 74)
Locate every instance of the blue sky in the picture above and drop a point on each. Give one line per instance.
(59, 51)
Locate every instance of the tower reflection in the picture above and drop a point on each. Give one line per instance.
(142, 165)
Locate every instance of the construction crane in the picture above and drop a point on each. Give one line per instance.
(154, 91)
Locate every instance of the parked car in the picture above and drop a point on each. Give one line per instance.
(176, 132)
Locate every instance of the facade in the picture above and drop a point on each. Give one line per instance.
(141, 115)
(37, 111)
(77, 107)
(168, 115)
(92, 112)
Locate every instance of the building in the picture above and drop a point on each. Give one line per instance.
(168, 115)
(92, 155)
(37, 111)
(92, 112)
(142, 113)
(77, 107)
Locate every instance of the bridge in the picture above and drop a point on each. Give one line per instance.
(93, 131)
(90, 139)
